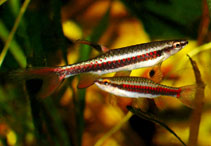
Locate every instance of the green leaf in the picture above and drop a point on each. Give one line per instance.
(14, 6)
(56, 126)
(43, 26)
(209, 6)
(12, 33)
(15, 49)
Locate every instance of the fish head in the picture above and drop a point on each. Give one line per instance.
(111, 85)
(178, 45)
(108, 84)
(174, 46)
(103, 83)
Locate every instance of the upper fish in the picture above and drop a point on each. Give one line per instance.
(126, 58)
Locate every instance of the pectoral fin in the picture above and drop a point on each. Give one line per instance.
(112, 99)
(159, 102)
(155, 73)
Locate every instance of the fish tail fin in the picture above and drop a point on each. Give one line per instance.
(187, 95)
(41, 82)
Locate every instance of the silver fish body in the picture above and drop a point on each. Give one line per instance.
(138, 87)
(126, 58)
(135, 87)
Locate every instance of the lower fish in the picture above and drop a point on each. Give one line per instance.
(115, 60)
(138, 87)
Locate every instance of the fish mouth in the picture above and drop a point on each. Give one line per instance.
(183, 43)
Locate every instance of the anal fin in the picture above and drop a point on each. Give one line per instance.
(122, 73)
(86, 80)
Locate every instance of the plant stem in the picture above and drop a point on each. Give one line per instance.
(197, 112)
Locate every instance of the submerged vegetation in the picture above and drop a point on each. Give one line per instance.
(35, 33)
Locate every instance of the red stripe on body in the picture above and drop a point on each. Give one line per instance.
(152, 90)
(96, 65)
(178, 92)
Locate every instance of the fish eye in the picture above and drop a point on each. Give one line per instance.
(152, 73)
(177, 45)
(106, 82)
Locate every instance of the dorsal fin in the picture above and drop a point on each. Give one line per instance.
(96, 46)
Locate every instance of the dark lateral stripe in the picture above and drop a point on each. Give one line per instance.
(127, 61)
(99, 65)
(168, 49)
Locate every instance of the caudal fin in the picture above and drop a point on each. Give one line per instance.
(41, 82)
(187, 95)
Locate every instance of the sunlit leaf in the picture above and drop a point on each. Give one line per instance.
(2, 1)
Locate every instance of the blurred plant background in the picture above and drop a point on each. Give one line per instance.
(45, 36)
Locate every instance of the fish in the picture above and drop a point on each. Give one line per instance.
(126, 58)
(140, 87)
(113, 60)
